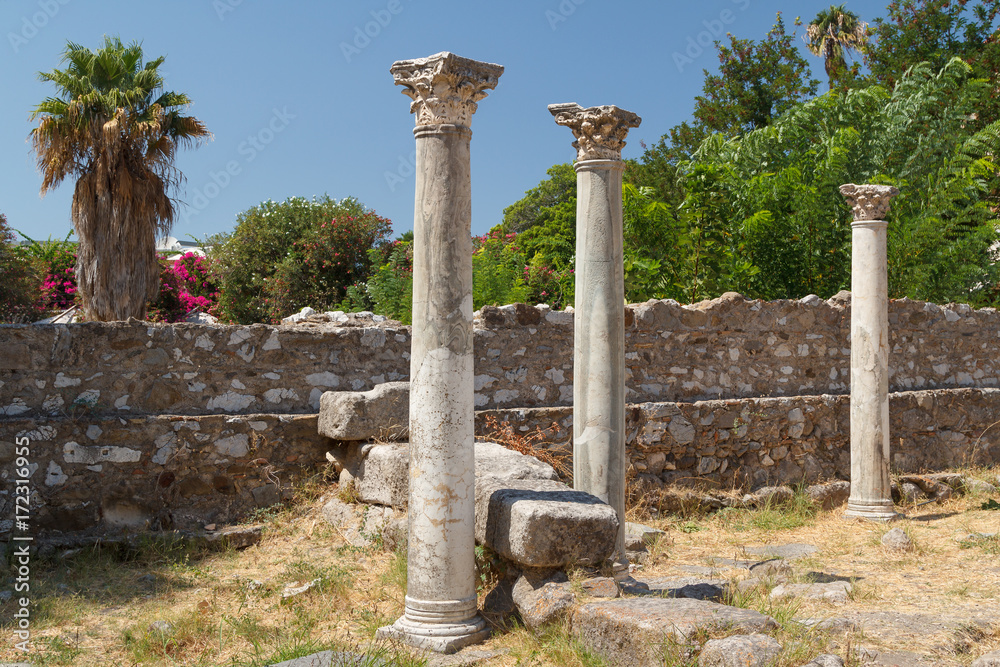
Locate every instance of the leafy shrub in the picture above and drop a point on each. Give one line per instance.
(389, 291)
(325, 261)
(265, 235)
(18, 295)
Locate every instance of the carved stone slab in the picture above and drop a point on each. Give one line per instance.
(445, 88)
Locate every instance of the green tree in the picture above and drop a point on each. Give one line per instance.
(757, 82)
(115, 130)
(557, 189)
(246, 261)
(935, 31)
(833, 35)
(778, 188)
(18, 281)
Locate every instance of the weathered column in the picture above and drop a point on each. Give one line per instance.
(441, 612)
(599, 462)
(871, 494)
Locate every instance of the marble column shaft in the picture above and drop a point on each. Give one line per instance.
(440, 607)
(599, 459)
(871, 494)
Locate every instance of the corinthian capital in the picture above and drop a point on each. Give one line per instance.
(600, 131)
(445, 88)
(868, 202)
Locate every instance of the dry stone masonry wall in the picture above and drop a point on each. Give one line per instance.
(729, 347)
(157, 424)
(750, 442)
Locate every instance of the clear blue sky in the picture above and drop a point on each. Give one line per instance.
(303, 82)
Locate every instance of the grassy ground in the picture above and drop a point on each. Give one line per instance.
(100, 606)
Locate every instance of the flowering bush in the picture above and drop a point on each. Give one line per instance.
(186, 285)
(389, 291)
(59, 284)
(247, 261)
(501, 274)
(324, 262)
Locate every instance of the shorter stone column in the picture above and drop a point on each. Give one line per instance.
(871, 492)
(599, 460)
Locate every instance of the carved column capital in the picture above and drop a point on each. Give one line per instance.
(445, 88)
(600, 131)
(868, 202)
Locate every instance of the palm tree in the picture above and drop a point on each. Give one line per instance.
(114, 128)
(833, 34)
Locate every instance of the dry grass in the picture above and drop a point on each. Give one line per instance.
(96, 608)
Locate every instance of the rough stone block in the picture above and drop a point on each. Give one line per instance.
(829, 495)
(236, 537)
(638, 536)
(834, 592)
(383, 475)
(739, 651)
(632, 631)
(542, 523)
(383, 412)
(991, 659)
(542, 600)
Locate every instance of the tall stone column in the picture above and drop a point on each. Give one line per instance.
(599, 461)
(441, 612)
(871, 494)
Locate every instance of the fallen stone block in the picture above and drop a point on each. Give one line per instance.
(897, 540)
(542, 599)
(769, 496)
(739, 651)
(381, 472)
(828, 496)
(834, 592)
(236, 537)
(638, 536)
(383, 475)
(543, 523)
(632, 631)
(793, 550)
(991, 659)
(825, 660)
(381, 413)
(360, 525)
(600, 587)
(694, 588)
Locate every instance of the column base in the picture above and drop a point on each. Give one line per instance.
(444, 638)
(872, 510)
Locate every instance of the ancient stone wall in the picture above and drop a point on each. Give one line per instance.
(751, 442)
(156, 471)
(136, 424)
(725, 348)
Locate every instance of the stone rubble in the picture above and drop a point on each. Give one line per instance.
(632, 631)
(739, 651)
(897, 540)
